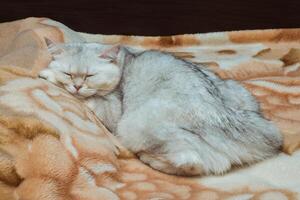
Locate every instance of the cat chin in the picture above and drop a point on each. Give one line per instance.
(83, 95)
(80, 95)
(103, 92)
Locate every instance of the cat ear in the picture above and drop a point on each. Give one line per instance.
(53, 48)
(48, 42)
(111, 53)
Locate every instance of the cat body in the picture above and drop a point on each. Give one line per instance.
(178, 117)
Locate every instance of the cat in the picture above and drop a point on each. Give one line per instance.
(176, 116)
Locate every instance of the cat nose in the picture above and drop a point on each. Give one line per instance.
(77, 87)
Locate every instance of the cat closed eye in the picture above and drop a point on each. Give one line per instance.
(89, 75)
(68, 74)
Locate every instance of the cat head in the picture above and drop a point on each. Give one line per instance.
(85, 69)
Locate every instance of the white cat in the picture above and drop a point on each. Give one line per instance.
(178, 117)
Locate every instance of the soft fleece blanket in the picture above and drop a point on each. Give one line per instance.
(54, 148)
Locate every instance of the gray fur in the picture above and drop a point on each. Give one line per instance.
(180, 118)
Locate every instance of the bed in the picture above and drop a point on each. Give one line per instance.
(53, 147)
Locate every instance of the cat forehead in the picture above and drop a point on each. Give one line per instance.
(79, 60)
(78, 56)
(80, 64)
(85, 47)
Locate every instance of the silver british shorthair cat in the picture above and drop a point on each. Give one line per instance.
(177, 117)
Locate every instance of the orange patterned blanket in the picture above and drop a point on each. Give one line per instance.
(53, 148)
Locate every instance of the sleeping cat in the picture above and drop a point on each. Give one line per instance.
(178, 117)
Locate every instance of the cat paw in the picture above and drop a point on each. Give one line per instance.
(169, 166)
(48, 75)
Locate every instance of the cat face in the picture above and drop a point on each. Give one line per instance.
(83, 69)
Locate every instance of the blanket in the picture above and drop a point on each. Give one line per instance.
(52, 147)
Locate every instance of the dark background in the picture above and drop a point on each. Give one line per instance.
(158, 17)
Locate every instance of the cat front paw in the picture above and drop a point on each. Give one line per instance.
(168, 165)
(49, 75)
